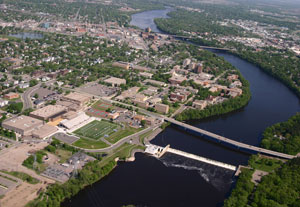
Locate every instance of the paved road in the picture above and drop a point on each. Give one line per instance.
(26, 99)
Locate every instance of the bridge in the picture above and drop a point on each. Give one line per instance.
(180, 37)
(227, 142)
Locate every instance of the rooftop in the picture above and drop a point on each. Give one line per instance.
(49, 110)
(115, 80)
(23, 122)
(77, 97)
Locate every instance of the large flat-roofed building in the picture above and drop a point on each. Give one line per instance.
(115, 81)
(23, 125)
(140, 68)
(44, 131)
(70, 105)
(200, 104)
(77, 98)
(121, 65)
(50, 112)
(177, 79)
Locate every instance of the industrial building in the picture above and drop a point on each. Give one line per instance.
(50, 112)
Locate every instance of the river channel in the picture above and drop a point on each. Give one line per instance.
(177, 181)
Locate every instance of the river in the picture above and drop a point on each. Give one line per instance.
(177, 181)
(25, 35)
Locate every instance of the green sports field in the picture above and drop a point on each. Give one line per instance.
(96, 129)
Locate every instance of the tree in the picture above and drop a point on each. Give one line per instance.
(15, 108)
(33, 82)
(143, 123)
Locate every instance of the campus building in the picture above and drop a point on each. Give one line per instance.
(23, 125)
(115, 81)
(50, 112)
(77, 98)
(162, 108)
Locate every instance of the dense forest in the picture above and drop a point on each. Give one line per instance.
(243, 188)
(182, 20)
(279, 188)
(283, 137)
(284, 66)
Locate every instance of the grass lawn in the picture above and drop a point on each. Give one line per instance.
(89, 144)
(122, 133)
(264, 164)
(143, 136)
(63, 155)
(96, 129)
(23, 176)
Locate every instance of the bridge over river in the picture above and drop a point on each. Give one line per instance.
(227, 142)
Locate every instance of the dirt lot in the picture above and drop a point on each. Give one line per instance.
(12, 160)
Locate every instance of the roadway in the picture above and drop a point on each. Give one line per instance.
(25, 97)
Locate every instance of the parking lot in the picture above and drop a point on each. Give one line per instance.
(45, 94)
(65, 138)
(98, 89)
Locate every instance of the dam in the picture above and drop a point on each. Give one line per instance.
(158, 151)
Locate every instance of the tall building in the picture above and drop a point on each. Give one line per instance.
(199, 68)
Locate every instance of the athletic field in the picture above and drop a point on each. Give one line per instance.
(96, 129)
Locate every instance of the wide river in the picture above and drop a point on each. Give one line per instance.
(177, 181)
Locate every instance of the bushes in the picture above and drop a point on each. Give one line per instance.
(30, 160)
(7, 133)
